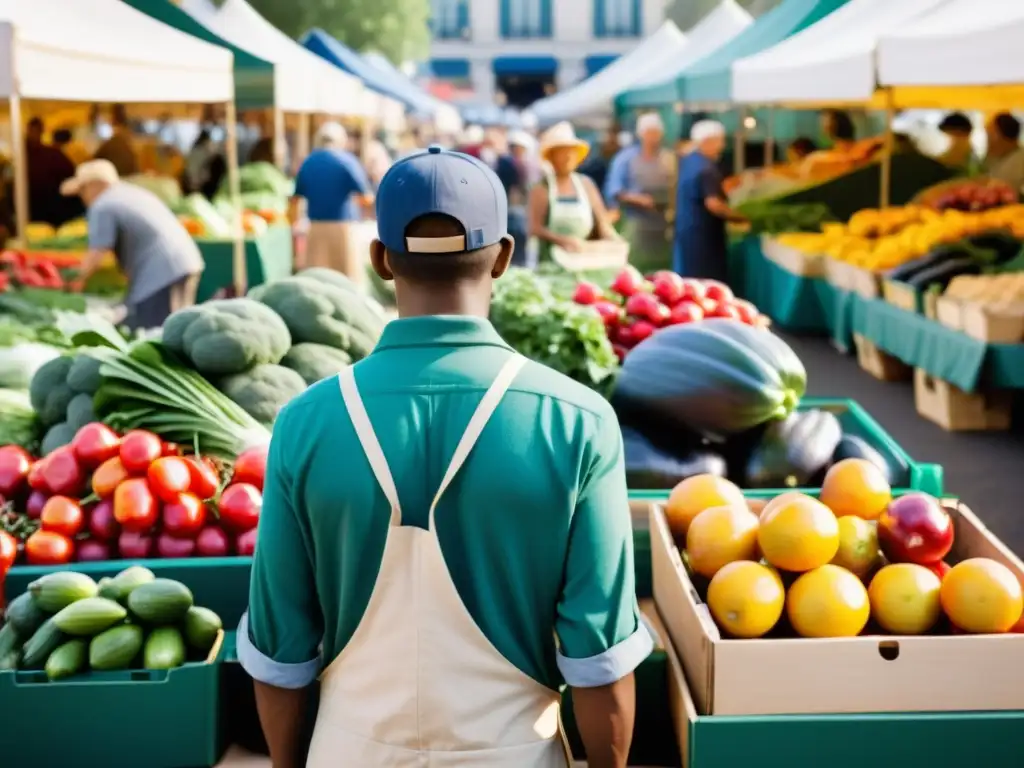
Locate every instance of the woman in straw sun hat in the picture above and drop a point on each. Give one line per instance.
(566, 208)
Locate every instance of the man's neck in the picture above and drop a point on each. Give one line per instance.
(469, 301)
(1003, 150)
(650, 151)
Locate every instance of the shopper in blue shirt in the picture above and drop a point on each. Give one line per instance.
(336, 190)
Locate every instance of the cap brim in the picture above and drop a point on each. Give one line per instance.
(71, 187)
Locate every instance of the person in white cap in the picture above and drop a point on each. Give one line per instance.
(566, 208)
(640, 182)
(701, 213)
(336, 189)
(160, 259)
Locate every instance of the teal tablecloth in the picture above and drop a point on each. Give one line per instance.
(946, 354)
(267, 258)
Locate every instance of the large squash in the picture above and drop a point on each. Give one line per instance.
(717, 376)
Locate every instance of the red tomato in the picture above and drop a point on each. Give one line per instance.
(94, 444)
(139, 449)
(251, 467)
(169, 477)
(110, 474)
(36, 479)
(48, 548)
(15, 464)
(205, 481)
(185, 516)
(135, 507)
(62, 473)
(240, 506)
(8, 550)
(62, 515)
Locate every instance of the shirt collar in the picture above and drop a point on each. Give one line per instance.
(439, 331)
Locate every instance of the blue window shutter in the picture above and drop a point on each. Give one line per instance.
(637, 21)
(463, 16)
(545, 18)
(505, 18)
(599, 30)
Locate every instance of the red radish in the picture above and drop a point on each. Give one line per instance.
(627, 282)
(748, 312)
(36, 478)
(251, 467)
(139, 449)
(91, 551)
(62, 473)
(212, 542)
(134, 546)
(586, 293)
(102, 524)
(717, 291)
(642, 330)
(184, 517)
(727, 311)
(169, 477)
(620, 352)
(34, 505)
(624, 336)
(168, 546)
(693, 290)
(95, 443)
(685, 312)
(609, 311)
(240, 506)
(644, 306)
(204, 480)
(170, 449)
(668, 286)
(15, 464)
(245, 544)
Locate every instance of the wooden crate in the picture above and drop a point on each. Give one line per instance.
(793, 261)
(957, 411)
(878, 363)
(901, 295)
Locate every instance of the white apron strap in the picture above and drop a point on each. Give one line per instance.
(491, 399)
(368, 440)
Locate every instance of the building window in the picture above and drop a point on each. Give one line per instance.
(617, 18)
(522, 19)
(449, 19)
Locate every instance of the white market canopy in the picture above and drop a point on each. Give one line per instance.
(830, 62)
(105, 51)
(962, 55)
(596, 93)
(303, 82)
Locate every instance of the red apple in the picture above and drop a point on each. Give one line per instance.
(693, 290)
(748, 312)
(668, 286)
(717, 291)
(915, 529)
(686, 312)
(627, 282)
(586, 293)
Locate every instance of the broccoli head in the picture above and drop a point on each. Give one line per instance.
(227, 336)
(315, 361)
(263, 391)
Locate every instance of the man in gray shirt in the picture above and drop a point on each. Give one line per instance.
(159, 257)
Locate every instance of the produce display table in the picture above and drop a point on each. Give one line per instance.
(942, 352)
(267, 258)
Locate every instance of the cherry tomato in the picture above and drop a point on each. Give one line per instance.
(135, 507)
(36, 478)
(15, 464)
(185, 516)
(110, 474)
(169, 477)
(94, 444)
(8, 550)
(62, 515)
(204, 482)
(48, 548)
(62, 473)
(240, 506)
(251, 467)
(138, 450)
(102, 524)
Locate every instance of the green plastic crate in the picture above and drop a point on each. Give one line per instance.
(152, 718)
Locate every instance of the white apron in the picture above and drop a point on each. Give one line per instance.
(419, 685)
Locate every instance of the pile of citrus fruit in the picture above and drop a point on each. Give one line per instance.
(855, 559)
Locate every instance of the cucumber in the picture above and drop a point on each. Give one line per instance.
(38, 648)
(60, 589)
(165, 649)
(10, 661)
(10, 639)
(90, 616)
(122, 585)
(161, 601)
(201, 627)
(67, 660)
(24, 615)
(116, 648)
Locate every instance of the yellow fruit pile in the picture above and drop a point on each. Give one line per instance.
(880, 240)
(819, 563)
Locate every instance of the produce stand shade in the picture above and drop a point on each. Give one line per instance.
(267, 258)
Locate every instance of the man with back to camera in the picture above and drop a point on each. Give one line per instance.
(1004, 159)
(481, 514)
(335, 187)
(156, 253)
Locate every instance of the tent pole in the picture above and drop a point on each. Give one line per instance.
(887, 149)
(20, 167)
(740, 155)
(301, 142)
(280, 140)
(238, 270)
(769, 139)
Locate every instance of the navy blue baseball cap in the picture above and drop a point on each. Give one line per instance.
(439, 181)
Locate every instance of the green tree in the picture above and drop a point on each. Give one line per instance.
(399, 29)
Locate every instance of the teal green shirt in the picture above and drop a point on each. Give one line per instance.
(535, 528)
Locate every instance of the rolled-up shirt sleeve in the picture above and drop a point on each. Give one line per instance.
(279, 638)
(600, 635)
(102, 229)
(618, 180)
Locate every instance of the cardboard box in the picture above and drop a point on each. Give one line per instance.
(866, 283)
(841, 675)
(991, 324)
(949, 312)
(839, 274)
(901, 295)
(792, 260)
(957, 411)
(879, 364)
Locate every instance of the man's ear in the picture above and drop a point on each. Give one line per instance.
(379, 260)
(507, 247)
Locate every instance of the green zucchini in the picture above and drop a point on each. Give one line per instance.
(90, 616)
(67, 659)
(164, 649)
(10, 640)
(60, 589)
(794, 450)
(24, 615)
(942, 274)
(116, 648)
(38, 648)
(201, 627)
(161, 601)
(119, 587)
